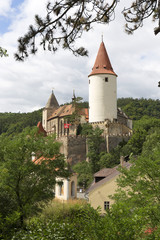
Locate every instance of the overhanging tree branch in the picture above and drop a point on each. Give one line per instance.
(64, 23)
(3, 52)
(66, 20)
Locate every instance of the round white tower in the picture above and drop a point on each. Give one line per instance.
(102, 89)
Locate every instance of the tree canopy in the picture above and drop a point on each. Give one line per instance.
(66, 20)
(25, 180)
(136, 209)
(3, 52)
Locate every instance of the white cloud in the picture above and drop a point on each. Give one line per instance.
(27, 86)
(5, 7)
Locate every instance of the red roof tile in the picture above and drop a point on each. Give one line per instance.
(67, 110)
(41, 129)
(102, 64)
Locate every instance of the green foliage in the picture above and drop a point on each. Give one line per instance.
(66, 21)
(3, 52)
(95, 141)
(137, 108)
(109, 160)
(85, 176)
(11, 123)
(146, 123)
(23, 182)
(81, 222)
(137, 202)
(75, 117)
(135, 143)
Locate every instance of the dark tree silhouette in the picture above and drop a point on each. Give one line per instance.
(66, 20)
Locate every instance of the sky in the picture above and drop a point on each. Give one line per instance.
(26, 86)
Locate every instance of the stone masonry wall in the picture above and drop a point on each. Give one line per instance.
(74, 148)
(113, 141)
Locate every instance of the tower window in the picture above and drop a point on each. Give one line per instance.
(104, 66)
(106, 79)
(89, 81)
(106, 205)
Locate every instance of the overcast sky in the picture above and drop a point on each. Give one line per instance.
(26, 86)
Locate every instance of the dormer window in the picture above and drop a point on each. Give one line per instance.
(104, 66)
(106, 79)
(97, 66)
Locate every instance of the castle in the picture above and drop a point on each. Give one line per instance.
(102, 112)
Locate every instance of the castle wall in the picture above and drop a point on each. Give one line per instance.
(74, 148)
(113, 141)
(56, 125)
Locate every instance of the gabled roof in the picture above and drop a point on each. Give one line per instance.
(67, 110)
(102, 64)
(108, 173)
(62, 111)
(52, 102)
(104, 172)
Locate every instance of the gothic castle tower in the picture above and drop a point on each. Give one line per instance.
(50, 107)
(102, 89)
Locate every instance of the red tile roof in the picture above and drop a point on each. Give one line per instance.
(41, 129)
(102, 64)
(67, 110)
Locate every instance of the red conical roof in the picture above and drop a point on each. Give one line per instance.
(102, 63)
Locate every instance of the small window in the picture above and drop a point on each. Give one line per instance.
(61, 190)
(106, 205)
(106, 79)
(89, 81)
(104, 66)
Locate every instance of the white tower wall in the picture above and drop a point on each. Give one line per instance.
(102, 97)
(44, 119)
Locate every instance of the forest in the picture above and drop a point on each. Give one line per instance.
(134, 108)
(27, 210)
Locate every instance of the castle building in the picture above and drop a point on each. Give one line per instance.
(102, 112)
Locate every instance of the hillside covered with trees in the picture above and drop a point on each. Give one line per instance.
(26, 211)
(134, 108)
(137, 108)
(12, 123)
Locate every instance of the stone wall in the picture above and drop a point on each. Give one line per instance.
(113, 141)
(74, 148)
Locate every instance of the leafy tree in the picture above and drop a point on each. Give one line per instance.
(137, 108)
(67, 20)
(11, 123)
(75, 117)
(94, 141)
(137, 202)
(109, 160)
(146, 123)
(81, 222)
(85, 176)
(3, 52)
(25, 183)
(135, 143)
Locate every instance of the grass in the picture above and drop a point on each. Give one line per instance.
(58, 209)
